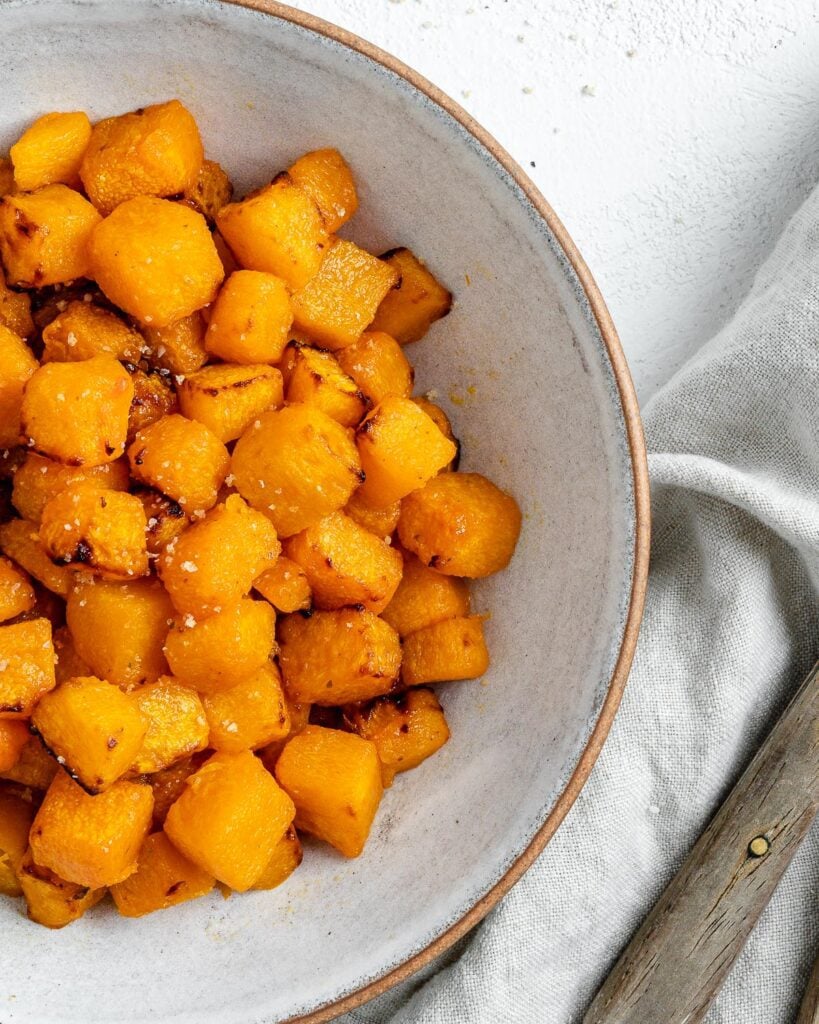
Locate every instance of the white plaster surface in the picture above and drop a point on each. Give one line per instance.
(673, 138)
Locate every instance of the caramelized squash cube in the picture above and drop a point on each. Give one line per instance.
(250, 319)
(27, 663)
(83, 331)
(20, 541)
(16, 592)
(336, 305)
(287, 856)
(168, 785)
(408, 312)
(165, 519)
(442, 422)
(211, 191)
(14, 735)
(15, 309)
(68, 663)
(377, 364)
(6, 176)
(227, 399)
(51, 150)
(334, 779)
(249, 715)
(338, 657)
(452, 649)
(285, 586)
(17, 365)
(425, 597)
(315, 378)
(229, 818)
(39, 480)
(153, 399)
(178, 348)
(326, 177)
(15, 821)
(163, 878)
(380, 521)
(50, 900)
(34, 769)
(176, 722)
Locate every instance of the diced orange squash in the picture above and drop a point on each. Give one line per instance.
(441, 420)
(338, 657)
(377, 364)
(17, 365)
(250, 319)
(425, 597)
(153, 398)
(176, 722)
(326, 177)
(249, 715)
(227, 399)
(380, 521)
(21, 542)
(15, 821)
(287, 855)
(50, 900)
(26, 666)
(452, 649)
(6, 176)
(408, 312)
(339, 302)
(179, 347)
(164, 517)
(229, 261)
(92, 728)
(68, 663)
(400, 448)
(102, 531)
(156, 260)
(44, 236)
(155, 151)
(341, 813)
(229, 818)
(316, 378)
(91, 840)
(211, 191)
(15, 309)
(181, 458)
(16, 592)
(14, 734)
(460, 524)
(163, 878)
(39, 480)
(345, 564)
(47, 605)
(296, 465)
(77, 413)
(34, 769)
(285, 586)
(279, 230)
(168, 784)
(217, 653)
(84, 330)
(51, 150)
(119, 628)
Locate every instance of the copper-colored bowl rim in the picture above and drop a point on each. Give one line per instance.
(637, 449)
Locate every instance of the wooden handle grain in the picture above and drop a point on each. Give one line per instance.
(809, 1011)
(677, 961)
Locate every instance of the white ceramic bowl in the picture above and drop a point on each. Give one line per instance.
(529, 366)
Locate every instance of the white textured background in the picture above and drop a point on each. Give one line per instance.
(673, 137)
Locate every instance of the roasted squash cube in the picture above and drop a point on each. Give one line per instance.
(211, 191)
(285, 586)
(92, 728)
(279, 230)
(27, 663)
(217, 653)
(345, 564)
(338, 657)
(442, 422)
(91, 840)
(77, 413)
(315, 378)
(15, 309)
(165, 519)
(176, 721)
(156, 260)
(460, 524)
(249, 715)
(83, 331)
(400, 448)
(16, 592)
(452, 649)
(425, 597)
(408, 312)
(155, 151)
(296, 465)
(326, 177)
(6, 176)
(380, 521)
(334, 779)
(21, 542)
(181, 458)
(119, 628)
(163, 878)
(50, 900)
(169, 783)
(44, 236)
(178, 348)
(15, 821)
(229, 818)
(287, 856)
(227, 399)
(336, 305)
(153, 398)
(250, 319)
(68, 663)
(34, 769)
(51, 150)
(377, 364)
(17, 365)
(14, 735)
(39, 480)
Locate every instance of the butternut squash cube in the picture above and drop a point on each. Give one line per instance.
(178, 348)
(51, 150)
(345, 564)
(460, 524)
(227, 399)
(296, 465)
(408, 312)
(380, 521)
(229, 818)
(249, 715)
(14, 735)
(442, 422)
(21, 542)
(156, 260)
(400, 448)
(250, 319)
(84, 330)
(17, 365)
(219, 652)
(119, 628)
(339, 302)
(163, 878)
(77, 413)
(155, 151)
(211, 191)
(91, 840)
(68, 663)
(338, 657)
(285, 586)
(334, 779)
(181, 458)
(15, 309)
(50, 900)
(102, 531)
(452, 649)
(168, 784)
(6, 176)
(279, 230)
(425, 597)
(165, 519)
(92, 728)
(287, 856)
(15, 821)
(176, 722)
(34, 769)
(39, 480)
(377, 364)
(326, 177)
(215, 562)
(44, 236)
(153, 398)
(26, 666)
(315, 378)
(16, 592)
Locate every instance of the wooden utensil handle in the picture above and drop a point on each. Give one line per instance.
(675, 964)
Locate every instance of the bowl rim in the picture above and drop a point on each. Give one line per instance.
(642, 509)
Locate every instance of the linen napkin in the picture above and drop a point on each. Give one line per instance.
(730, 630)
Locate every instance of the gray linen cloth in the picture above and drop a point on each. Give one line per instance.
(731, 628)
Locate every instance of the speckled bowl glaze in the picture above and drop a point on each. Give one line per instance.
(528, 365)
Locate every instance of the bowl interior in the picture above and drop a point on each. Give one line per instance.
(520, 366)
